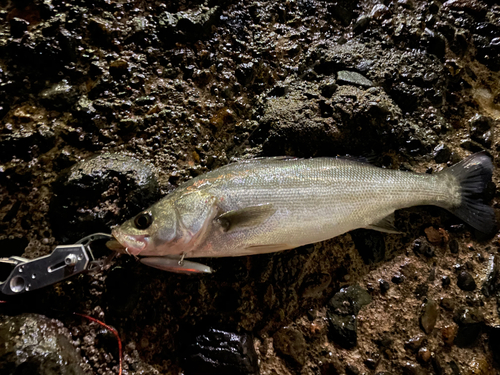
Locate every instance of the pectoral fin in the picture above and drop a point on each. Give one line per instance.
(245, 217)
(385, 225)
(174, 265)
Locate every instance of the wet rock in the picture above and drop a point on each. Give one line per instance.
(455, 370)
(429, 316)
(445, 281)
(34, 344)
(328, 87)
(421, 246)
(435, 42)
(346, 77)
(470, 326)
(453, 245)
(187, 25)
(343, 330)
(18, 27)
(245, 73)
(342, 311)
(424, 355)
(370, 245)
(343, 10)
(384, 285)
(290, 343)
(398, 279)
(448, 333)
(491, 285)
(494, 342)
(442, 153)
(465, 281)
(351, 369)
(361, 23)
(99, 192)
(61, 95)
(414, 343)
(412, 369)
(348, 301)
(219, 352)
(480, 130)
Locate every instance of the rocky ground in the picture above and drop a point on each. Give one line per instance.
(107, 106)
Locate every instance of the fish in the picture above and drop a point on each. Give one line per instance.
(266, 205)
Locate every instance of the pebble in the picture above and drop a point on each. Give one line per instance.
(465, 281)
(470, 326)
(415, 343)
(384, 286)
(429, 316)
(445, 281)
(453, 245)
(442, 153)
(448, 333)
(346, 77)
(397, 279)
(215, 351)
(290, 343)
(424, 355)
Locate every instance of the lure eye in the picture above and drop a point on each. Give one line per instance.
(143, 220)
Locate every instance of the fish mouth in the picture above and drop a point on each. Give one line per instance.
(126, 244)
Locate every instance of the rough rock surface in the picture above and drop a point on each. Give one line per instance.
(165, 91)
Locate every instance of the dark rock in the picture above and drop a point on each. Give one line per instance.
(491, 285)
(346, 77)
(370, 245)
(442, 153)
(447, 303)
(34, 344)
(470, 326)
(245, 73)
(290, 344)
(398, 279)
(421, 290)
(412, 369)
(415, 343)
(361, 24)
(62, 95)
(465, 281)
(99, 192)
(18, 27)
(187, 25)
(348, 301)
(218, 352)
(343, 10)
(384, 285)
(455, 370)
(480, 130)
(351, 369)
(453, 245)
(494, 342)
(435, 42)
(429, 316)
(445, 281)
(421, 246)
(342, 311)
(343, 330)
(328, 87)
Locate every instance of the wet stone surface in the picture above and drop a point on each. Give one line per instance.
(34, 344)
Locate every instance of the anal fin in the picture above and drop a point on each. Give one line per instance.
(385, 225)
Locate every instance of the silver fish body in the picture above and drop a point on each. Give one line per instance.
(272, 204)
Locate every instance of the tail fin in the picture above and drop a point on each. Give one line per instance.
(473, 174)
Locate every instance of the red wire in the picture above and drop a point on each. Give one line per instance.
(115, 332)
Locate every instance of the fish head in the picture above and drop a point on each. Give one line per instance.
(172, 226)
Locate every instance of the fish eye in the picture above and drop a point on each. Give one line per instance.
(143, 220)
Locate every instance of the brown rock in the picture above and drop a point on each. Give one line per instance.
(448, 333)
(429, 316)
